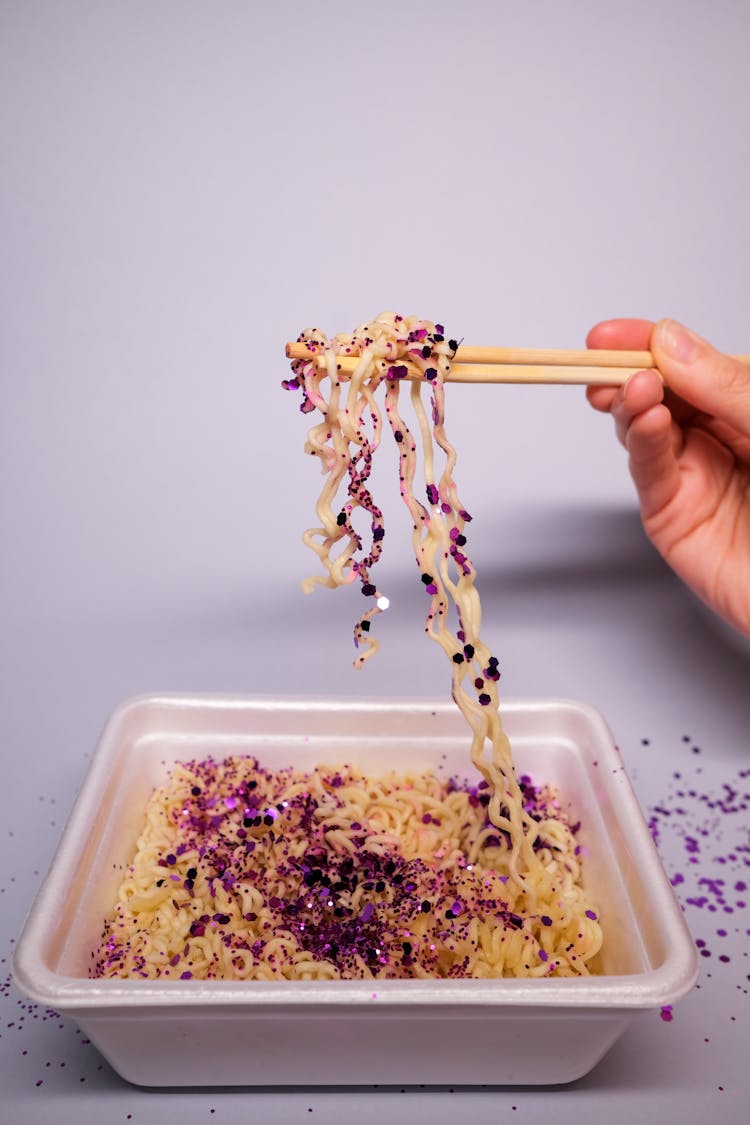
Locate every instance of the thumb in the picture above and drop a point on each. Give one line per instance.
(712, 382)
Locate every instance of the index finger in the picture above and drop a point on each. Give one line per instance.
(627, 334)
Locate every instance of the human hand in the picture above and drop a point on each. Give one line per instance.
(688, 438)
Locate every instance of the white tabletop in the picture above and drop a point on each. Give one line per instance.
(187, 186)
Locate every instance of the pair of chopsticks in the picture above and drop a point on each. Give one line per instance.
(522, 365)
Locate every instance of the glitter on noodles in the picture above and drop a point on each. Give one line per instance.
(251, 874)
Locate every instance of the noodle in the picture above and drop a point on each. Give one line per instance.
(345, 446)
(241, 873)
(248, 874)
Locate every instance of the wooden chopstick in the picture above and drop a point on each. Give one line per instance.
(521, 365)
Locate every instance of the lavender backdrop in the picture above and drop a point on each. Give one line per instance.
(187, 185)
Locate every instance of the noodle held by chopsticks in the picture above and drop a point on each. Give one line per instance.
(345, 442)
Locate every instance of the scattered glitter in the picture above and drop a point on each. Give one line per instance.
(702, 831)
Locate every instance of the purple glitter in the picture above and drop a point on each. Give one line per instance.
(699, 823)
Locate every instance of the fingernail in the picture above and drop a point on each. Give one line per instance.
(626, 386)
(682, 344)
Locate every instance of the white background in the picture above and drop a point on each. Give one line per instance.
(184, 187)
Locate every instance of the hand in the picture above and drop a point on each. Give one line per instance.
(688, 438)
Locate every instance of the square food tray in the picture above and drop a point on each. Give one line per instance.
(307, 1033)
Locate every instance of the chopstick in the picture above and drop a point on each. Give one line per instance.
(521, 365)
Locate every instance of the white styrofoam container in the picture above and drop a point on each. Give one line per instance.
(500, 1032)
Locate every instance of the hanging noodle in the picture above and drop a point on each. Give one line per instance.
(345, 442)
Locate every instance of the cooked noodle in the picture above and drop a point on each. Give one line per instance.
(242, 873)
(345, 442)
(247, 874)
